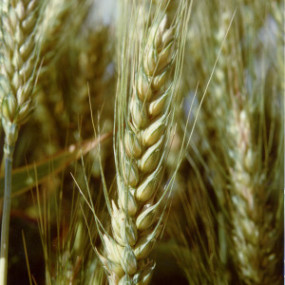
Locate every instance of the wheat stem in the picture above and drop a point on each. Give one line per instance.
(19, 73)
(6, 214)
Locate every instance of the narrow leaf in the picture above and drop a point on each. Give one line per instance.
(24, 178)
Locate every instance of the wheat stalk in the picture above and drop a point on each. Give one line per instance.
(140, 151)
(141, 154)
(255, 228)
(19, 70)
(246, 231)
(236, 161)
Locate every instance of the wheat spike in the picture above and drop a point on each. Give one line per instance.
(246, 231)
(19, 69)
(140, 151)
(255, 220)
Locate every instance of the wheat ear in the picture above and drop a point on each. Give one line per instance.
(59, 24)
(140, 151)
(19, 70)
(245, 228)
(255, 198)
(254, 229)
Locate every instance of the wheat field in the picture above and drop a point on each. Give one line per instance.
(142, 142)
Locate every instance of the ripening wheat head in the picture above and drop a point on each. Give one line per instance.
(144, 121)
(20, 58)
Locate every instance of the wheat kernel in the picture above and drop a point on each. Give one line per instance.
(143, 87)
(156, 107)
(151, 157)
(139, 113)
(147, 188)
(154, 132)
(146, 218)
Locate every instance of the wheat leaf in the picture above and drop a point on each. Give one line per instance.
(24, 178)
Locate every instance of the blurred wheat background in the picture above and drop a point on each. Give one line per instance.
(147, 141)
